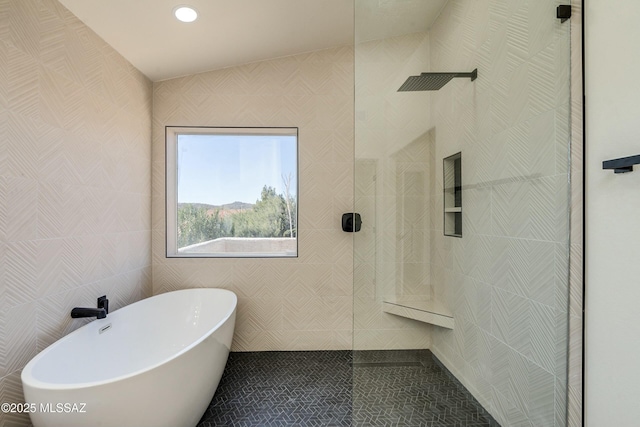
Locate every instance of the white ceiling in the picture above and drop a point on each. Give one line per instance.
(233, 32)
(382, 19)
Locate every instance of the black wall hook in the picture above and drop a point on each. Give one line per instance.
(563, 12)
(621, 165)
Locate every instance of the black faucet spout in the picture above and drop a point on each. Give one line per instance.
(79, 312)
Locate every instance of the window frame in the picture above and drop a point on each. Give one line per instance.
(171, 185)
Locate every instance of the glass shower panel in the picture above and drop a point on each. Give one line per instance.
(392, 178)
(490, 303)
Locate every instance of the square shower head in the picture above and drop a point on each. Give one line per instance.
(426, 81)
(432, 81)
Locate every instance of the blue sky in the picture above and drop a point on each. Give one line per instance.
(220, 169)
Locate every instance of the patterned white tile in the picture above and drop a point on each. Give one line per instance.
(54, 320)
(513, 153)
(548, 207)
(575, 402)
(544, 330)
(544, 267)
(22, 135)
(541, 404)
(393, 339)
(21, 272)
(59, 112)
(252, 339)
(507, 413)
(4, 69)
(11, 392)
(58, 95)
(3, 208)
(22, 83)
(21, 198)
(561, 404)
(17, 336)
(542, 78)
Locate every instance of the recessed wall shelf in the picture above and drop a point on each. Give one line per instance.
(452, 170)
(621, 165)
(422, 310)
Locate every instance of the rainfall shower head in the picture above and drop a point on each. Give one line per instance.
(433, 81)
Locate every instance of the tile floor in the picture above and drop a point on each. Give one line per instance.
(341, 388)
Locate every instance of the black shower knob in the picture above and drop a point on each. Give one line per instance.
(351, 222)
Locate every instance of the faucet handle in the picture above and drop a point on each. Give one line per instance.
(103, 302)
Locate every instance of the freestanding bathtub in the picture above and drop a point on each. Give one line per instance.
(153, 363)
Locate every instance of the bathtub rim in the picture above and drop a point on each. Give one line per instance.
(28, 380)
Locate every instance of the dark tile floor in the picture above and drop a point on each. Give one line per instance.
(341, 388)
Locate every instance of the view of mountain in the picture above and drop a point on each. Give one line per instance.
(235, 206)
(273, 215)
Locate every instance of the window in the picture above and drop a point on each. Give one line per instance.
(232, 192)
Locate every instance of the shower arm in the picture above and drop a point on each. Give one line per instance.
(472, 75)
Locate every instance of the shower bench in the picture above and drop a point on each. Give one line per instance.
(422, 310)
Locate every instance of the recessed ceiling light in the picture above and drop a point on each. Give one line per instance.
(185, 13)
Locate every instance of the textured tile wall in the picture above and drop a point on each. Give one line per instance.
(284, 304)
(75, 162)
(507, 278)
(392, 191)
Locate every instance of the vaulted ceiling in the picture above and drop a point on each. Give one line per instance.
(234, 32)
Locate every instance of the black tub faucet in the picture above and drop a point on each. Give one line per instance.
(78, 312)
(100, 312)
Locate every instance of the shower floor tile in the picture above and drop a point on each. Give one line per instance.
(341, 388)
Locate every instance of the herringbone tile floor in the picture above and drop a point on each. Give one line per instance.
(341, 388)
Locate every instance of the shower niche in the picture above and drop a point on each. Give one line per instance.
(452, 171)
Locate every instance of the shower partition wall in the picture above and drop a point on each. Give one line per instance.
(491, 305)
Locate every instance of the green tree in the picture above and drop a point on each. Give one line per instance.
(268, 218)
(289, 203)
(273, 215)
(196, 225)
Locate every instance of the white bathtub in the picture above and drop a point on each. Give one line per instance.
(157, 363)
